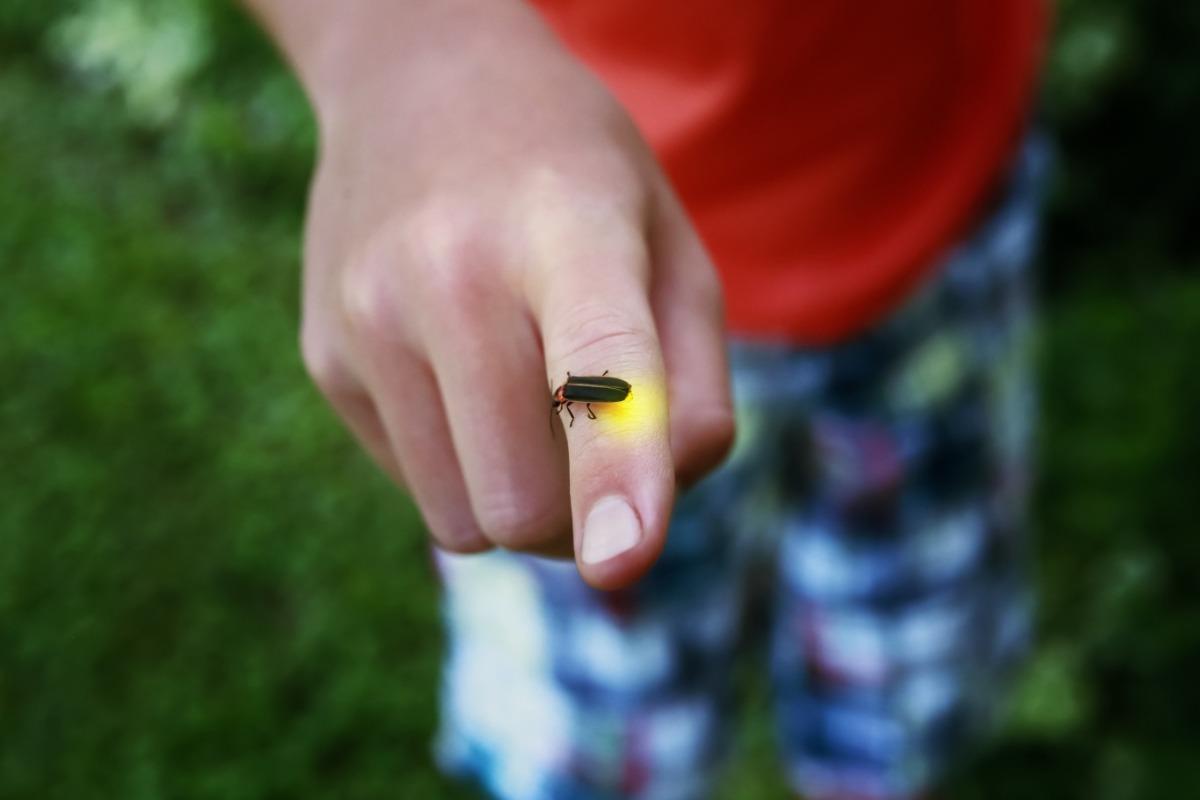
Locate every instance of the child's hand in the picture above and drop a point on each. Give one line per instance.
(484, 219)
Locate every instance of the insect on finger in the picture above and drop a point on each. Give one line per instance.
(587, 389)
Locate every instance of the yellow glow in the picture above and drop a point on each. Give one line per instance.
(643, 413)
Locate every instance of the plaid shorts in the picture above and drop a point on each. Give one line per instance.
(872, 510)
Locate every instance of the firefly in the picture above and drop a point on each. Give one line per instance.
(588, 389)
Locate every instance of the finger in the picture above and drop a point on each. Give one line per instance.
(322, 345)
(488, 362)
(410, 408)
(689, 312)
(345, 394)
(594, 312)
(358, 413)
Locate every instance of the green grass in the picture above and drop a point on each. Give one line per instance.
(207, 592)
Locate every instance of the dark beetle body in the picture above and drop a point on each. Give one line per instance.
(592, 389)
(588, 389)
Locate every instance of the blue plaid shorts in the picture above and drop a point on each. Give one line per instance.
(872, 510)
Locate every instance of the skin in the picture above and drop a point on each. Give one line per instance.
(484, 218)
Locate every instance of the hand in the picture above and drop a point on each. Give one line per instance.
(485, 219)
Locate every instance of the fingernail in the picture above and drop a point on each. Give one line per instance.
(611, 528)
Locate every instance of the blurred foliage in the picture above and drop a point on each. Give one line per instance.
(206, 592)
(1121, 85)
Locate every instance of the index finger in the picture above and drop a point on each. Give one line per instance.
(596, 321)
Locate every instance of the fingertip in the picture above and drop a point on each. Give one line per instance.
(462, 539)
(612, 527)
(618, 543)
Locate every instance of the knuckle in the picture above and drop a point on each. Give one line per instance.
(454, 291)
(452, 527)
(513, 522)
(449, 265)
(406, 255)
(603, 330)
(322, 362)
(595, 186)
(462, 540)
(364, 295)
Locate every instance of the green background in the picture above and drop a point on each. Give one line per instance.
(207, 592)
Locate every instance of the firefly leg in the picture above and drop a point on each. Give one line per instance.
(569, 414)
(602, 374)
(591, 414)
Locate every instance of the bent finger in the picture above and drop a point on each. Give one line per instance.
(595, 318)
(410, 408)
(488, 363)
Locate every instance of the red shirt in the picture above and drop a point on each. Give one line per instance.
(827, 150)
